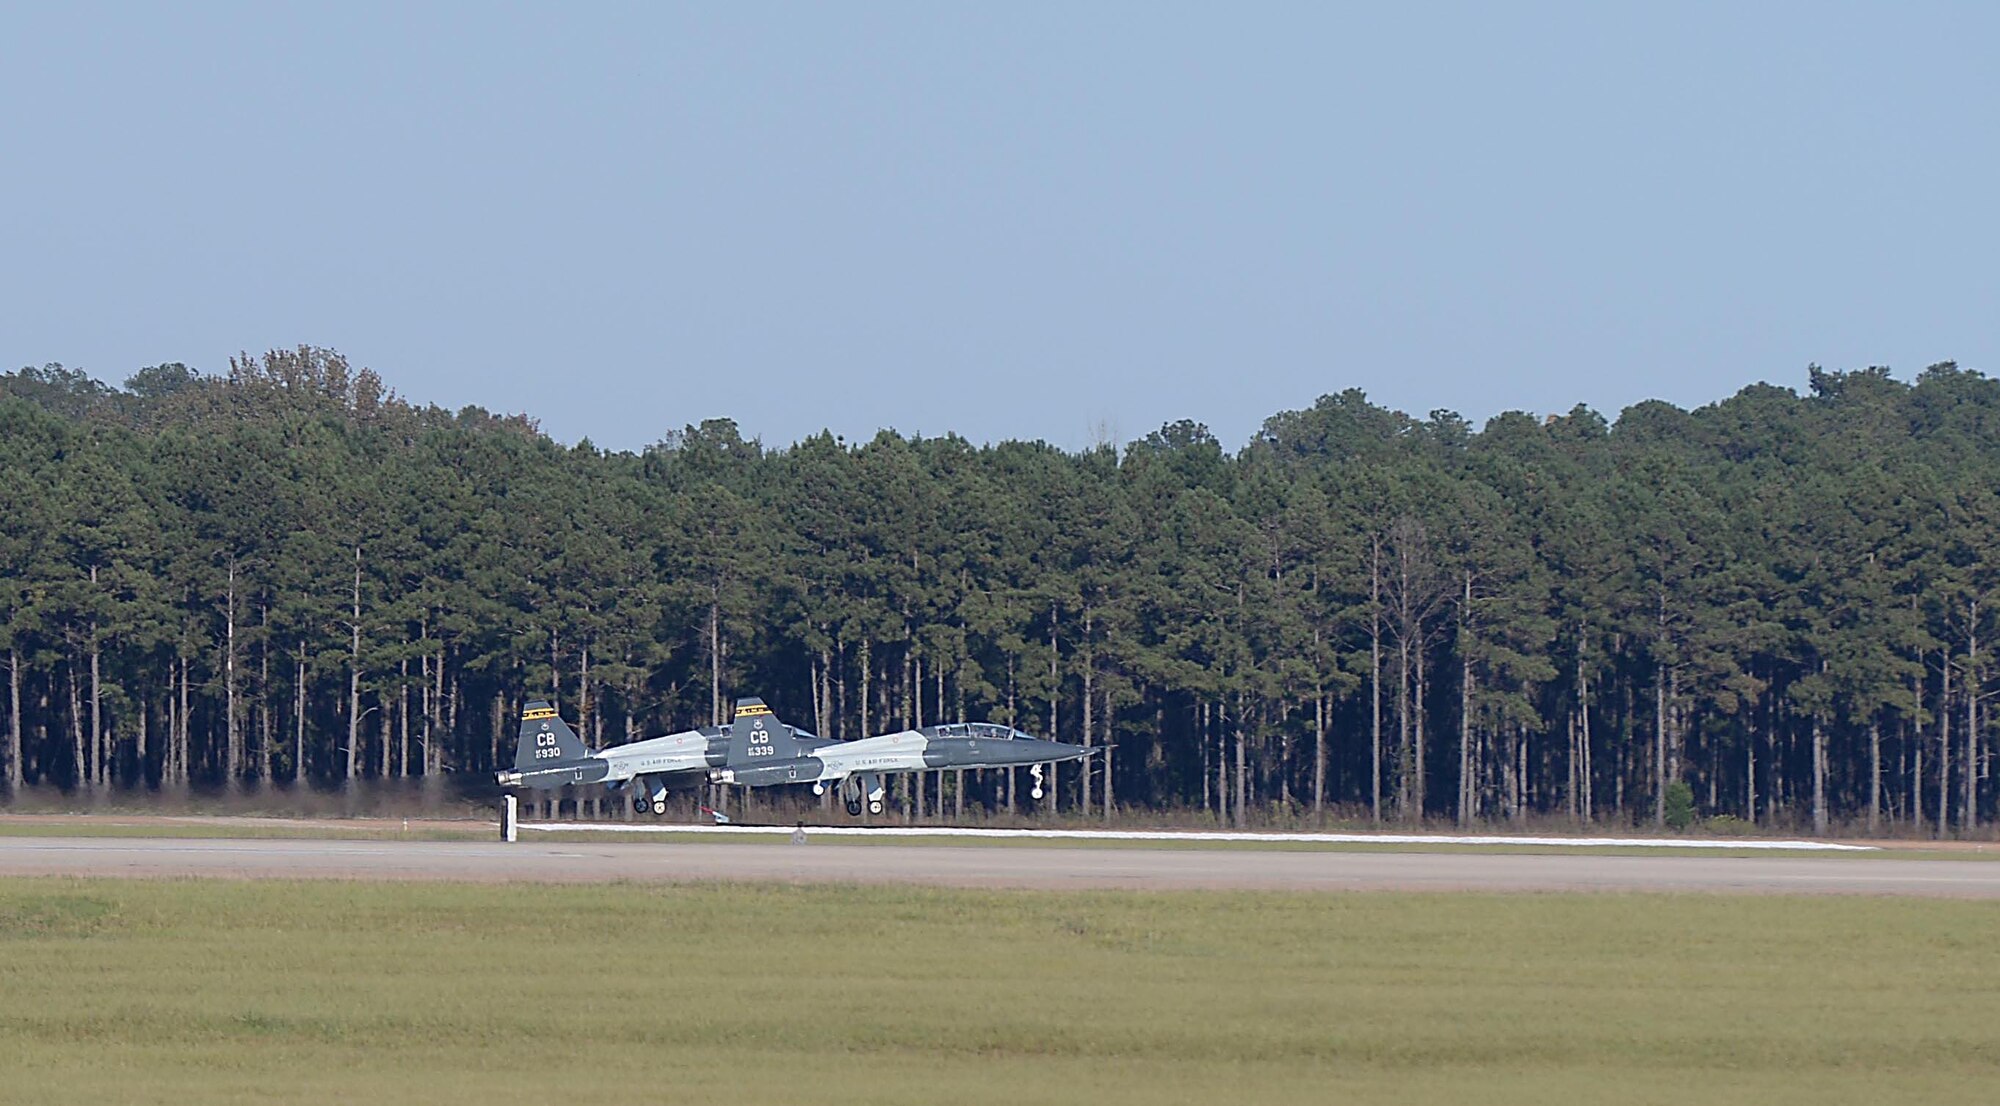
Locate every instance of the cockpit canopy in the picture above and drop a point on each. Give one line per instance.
(990, 731)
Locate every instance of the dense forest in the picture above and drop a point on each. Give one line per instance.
(1778, 608)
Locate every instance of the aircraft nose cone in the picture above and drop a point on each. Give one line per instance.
(1057, 750)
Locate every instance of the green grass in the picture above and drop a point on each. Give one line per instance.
(240, 992)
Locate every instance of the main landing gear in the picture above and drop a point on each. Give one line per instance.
(649, 797)
(641, 804)
(1035, 773)
(849, 793)
(863, 789)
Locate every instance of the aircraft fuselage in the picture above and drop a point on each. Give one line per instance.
(906, 751)
(689, 751)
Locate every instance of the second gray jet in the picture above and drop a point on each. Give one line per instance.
(857, 767)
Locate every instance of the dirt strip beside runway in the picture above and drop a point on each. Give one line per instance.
(1066, 868)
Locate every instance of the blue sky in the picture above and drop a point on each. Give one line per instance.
(1011, 220)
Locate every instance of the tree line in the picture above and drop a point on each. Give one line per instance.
(1777, 607)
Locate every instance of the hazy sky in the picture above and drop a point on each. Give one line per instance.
(1005, 220)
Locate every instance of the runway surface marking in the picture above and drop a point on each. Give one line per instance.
(1200, 835)
(964, 866)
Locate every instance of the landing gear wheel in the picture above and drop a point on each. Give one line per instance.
(854, 808)
(639, 804)
(659, 806)
(874, 806)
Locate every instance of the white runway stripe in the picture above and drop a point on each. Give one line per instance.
(1198, 835)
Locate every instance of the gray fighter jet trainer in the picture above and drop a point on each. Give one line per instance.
(550, 754)
(756, 749)
(857, 767)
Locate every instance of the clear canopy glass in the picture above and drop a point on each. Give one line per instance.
(991, 731)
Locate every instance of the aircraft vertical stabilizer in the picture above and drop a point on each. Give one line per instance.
(546, 740)
(756, 735)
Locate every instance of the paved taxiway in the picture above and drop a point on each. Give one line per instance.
(1127, 868)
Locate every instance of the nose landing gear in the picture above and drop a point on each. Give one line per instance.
(1035, 773)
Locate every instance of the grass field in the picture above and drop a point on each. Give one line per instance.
(220, 991)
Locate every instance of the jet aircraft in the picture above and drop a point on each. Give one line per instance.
(857, 767)
(551, 755)
(756, 749)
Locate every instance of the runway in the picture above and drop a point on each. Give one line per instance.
(974, 866)
(1265, 837)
